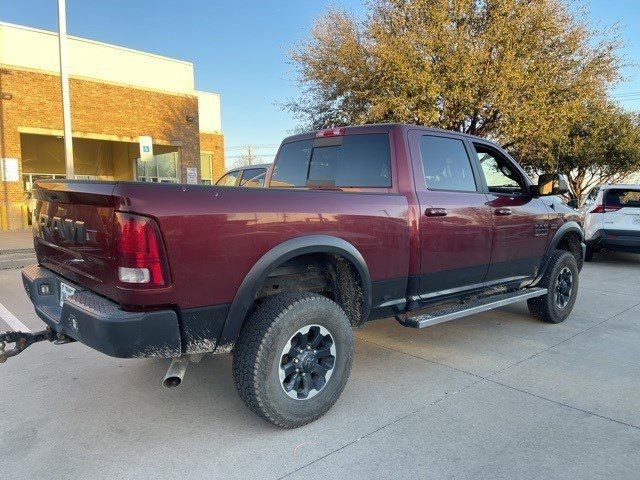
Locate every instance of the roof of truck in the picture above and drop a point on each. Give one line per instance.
(246, 167)
(380, 128)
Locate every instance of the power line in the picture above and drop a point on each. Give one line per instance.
(244, 147)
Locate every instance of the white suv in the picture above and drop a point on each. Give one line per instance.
(612, 219)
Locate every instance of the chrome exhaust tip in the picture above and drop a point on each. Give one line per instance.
(175, 372)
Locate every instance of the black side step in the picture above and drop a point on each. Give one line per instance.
(471, 307)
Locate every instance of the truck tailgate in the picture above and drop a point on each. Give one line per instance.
(73, 230)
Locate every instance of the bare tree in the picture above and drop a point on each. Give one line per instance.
(247, 159)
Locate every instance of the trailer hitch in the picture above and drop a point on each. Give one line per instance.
(23, 340)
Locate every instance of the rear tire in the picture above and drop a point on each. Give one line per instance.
(301, 327)
(561, 280)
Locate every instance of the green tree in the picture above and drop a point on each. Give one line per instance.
(602, 146)
(517, 71)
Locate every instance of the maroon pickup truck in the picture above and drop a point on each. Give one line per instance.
(352, 224)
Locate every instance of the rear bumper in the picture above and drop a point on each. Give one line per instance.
(100, 323)
(616, 240)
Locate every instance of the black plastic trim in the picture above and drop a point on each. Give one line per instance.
(276, 256)
(616, 240)
(100, 323)
(201, 327)
(566, 228)
(621, 233)
(456, 279)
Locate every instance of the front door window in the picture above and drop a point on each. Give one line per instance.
(500, 174)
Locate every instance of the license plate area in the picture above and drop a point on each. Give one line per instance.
(66, 291)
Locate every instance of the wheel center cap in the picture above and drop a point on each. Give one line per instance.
(308, 361)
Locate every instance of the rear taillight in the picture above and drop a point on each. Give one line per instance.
(605, 209)
(140, 254)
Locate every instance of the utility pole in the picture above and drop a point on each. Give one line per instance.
(249, 157)
(64, 81)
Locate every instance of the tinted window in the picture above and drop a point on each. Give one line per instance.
(349, 161)
(499, 173)
(446, 164)
(229, 180)
(360, 161)
(292, 164)
(253, 177)
(623, 198)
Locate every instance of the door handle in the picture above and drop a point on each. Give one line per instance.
(435, 212)
(502, 211)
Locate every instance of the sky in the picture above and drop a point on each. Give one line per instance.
(239, 48)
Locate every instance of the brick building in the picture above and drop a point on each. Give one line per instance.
(117, 96)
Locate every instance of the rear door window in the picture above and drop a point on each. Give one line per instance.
(253, 177)
(229, 180)
(351, 161)
(446, 164)
(626, 198)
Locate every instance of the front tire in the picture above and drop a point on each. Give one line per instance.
(293, 358)
(561, 280)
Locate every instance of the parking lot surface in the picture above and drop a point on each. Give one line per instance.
(495, 395)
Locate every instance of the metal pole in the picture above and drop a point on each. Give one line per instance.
(64, 81)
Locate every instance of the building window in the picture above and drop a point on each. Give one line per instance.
(206, 168)
(163, 168)
(29, 178)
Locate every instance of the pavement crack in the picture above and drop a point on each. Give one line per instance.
(562, 341)
(382, 427)
(588, 412)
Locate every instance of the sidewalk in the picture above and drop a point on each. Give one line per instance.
(16, 249)
(16, 240)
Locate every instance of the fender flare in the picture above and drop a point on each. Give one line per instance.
(277, 256)
(569, 227)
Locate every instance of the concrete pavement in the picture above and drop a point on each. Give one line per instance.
(16, 249)
(496, 395)
(16, 239)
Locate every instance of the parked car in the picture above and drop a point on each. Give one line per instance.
(251, 176)
(355, 224)
(612, 219)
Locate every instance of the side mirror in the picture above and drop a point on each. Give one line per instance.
(573, 203)
(551, 184)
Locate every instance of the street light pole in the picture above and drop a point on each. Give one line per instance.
(64, 81)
